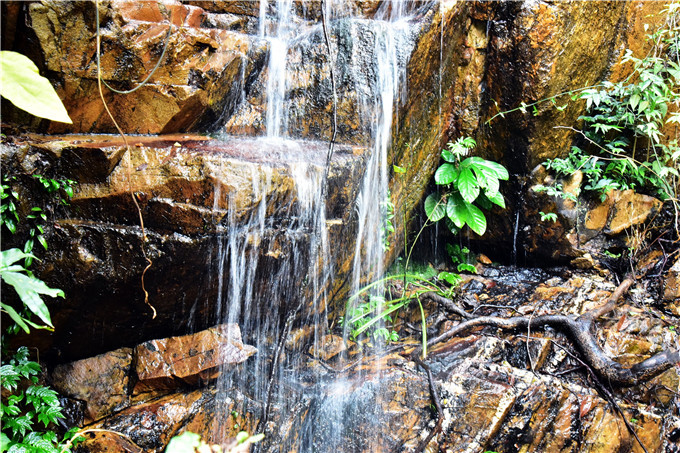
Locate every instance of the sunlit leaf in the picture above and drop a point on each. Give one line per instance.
(23, 86)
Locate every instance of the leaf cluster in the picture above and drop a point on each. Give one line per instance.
(464, 184)
(29, 288)
(25, 406)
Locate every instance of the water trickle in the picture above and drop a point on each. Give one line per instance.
(287, 242)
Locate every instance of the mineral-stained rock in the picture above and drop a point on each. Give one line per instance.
(198, 80)
(183, 186)
(191, 358)
(101, 381)
(329, 346)
(672, 289)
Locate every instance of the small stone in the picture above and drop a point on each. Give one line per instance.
(672, 287)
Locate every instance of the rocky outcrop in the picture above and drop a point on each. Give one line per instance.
(189, 359)
(585, 228)
(193, 193)
(497, 392)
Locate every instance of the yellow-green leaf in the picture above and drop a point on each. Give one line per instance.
(23, 86)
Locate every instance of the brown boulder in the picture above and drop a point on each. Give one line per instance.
(190, 358)
(101, 381)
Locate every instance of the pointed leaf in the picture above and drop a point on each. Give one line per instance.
(435, 207)
(448, 156)
(497, 199)
(11, 256)
(455, 210)
(467, 184)
(29, 290)
(446, 174)
(23, 86)
(475, 219)
(16, 317)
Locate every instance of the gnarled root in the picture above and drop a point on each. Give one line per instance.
(580, 331)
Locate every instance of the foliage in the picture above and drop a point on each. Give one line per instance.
(25, 408)
(61, 189)
(549, 216)
(28, 288)
(622, 141)
(461, 258)
(387, 228)
(23, 86)
(464, 183)
(189, 442)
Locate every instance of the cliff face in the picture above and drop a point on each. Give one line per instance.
(207, 202)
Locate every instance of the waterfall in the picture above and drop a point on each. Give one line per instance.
(288, 242)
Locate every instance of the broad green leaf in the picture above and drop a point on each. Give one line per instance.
(448, 156)
(489, 167)
(397, 169)
(467, 184)
(29, 290)
(446, 174)
(475, 219)
(497, 199)
(455, 210)
(11, 256)
(450, 278)
(435, 207)
(23, 86)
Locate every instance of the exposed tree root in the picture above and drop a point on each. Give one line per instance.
(580, 331)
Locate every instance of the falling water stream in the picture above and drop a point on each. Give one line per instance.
(288, 243)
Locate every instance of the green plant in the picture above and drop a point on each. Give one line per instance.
(23, 86)
(460, 256)
(189, 442)
(29, 290)
(25, 407)
(548, 217)
(387, 227)
(622, 140)
(465, 182)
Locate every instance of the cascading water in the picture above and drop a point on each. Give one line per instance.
(294, 238)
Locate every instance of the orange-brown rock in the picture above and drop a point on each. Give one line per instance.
(101, 381)
(671, 290)
(190, 359)
(329, 346)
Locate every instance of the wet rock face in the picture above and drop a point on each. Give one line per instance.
(192, 191)
(197, 82)
(498, 392)
(585, 228)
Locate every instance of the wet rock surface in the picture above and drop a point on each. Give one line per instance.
(499, 391)
(185, 186)
(190, 358)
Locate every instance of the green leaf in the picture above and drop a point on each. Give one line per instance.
(29, 290)
(16, 317)
(475, 219)
(497, 199)
(11, 256)
(446, 174)
(448, 156)
(397, 169)
(489, 167)
(435, 207)
(23, 86)
(455, 210)
(467, 185)
(450, 278)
